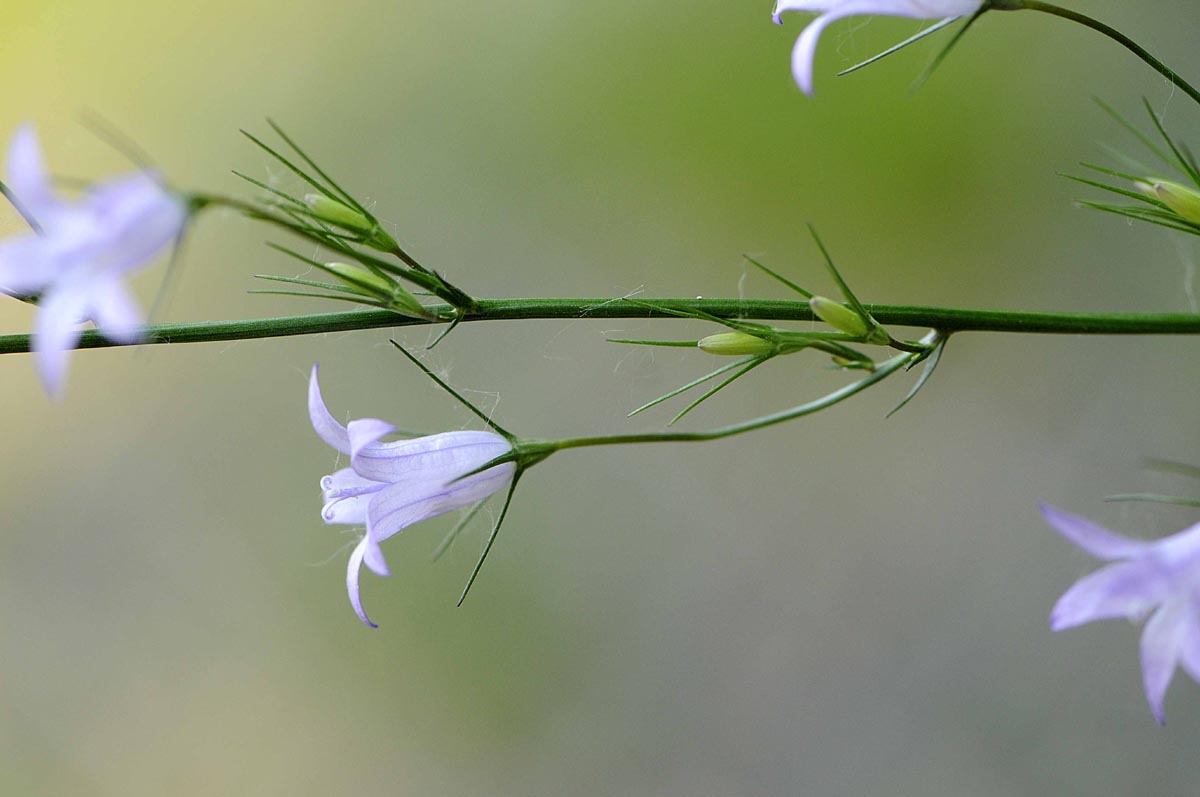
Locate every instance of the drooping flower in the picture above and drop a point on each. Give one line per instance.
(77, 259)
(390, 486)
(833, 10)
(1162, 577)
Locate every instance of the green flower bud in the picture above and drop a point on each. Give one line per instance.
(389, 291)
(340, 215)
(1185, 201)
(359, 277)
(335, 212)
(839, 316)
(735, 343)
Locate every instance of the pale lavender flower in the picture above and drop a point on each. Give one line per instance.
(833, 10)
(1162, 577)
(81, 251)
(390, 486)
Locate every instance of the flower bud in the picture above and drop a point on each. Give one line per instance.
(333, 212)
(1185, 201)
(359, 277)
(839, 316)
(735, 343)
(390, 292)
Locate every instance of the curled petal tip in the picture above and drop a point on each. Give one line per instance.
(353, 569)
(323, 423)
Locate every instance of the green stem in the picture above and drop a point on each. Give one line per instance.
(946, 319)
(881, 372)
(1112, 33)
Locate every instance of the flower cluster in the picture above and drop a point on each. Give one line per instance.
(390, 486)
(77, 258)
(1158, 579)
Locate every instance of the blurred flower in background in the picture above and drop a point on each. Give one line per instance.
(79, 254)
(1162, 577)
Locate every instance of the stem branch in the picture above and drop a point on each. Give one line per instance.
(1117, 36)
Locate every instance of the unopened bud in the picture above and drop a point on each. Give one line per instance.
(334, 212)
(1180, 198)
(359, 277)
(839, 316)
(735, 343)
(390, 292)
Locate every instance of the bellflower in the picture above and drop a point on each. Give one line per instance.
(832, 10)
(1160, 579)
(390, 486)
(81, 251)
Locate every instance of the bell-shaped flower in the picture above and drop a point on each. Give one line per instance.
(76, 260)
(833, 10)
(1159, 579)
(390, 486)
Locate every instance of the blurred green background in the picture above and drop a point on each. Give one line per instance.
(837, 606)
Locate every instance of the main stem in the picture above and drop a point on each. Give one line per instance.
(946, 319)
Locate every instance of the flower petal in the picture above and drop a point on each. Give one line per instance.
(374, 558)
(1180, 552)
(800, 5)
(398, 506)
(1162, 644)
(324, 424)
(364, 432)
(433, 458)
(139, 219)
(353, 567)
(55, 332)
(27, 265)
(347, 496)
(27, 178)
(1189, 655)
(116, 312)
(1092, 537)
(806, 46)
(1125, 589)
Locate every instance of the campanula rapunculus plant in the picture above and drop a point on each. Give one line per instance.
(390, 486)
(76, 260)
(1160, 577)
(833, 10)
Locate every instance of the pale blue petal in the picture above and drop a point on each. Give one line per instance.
(27, 178)
(800, 5)
(348, 510)
(140, 221)
(399, 506)
(27, 265)
(1189, 656)
(436, 458)
(365, 432)
(324, 424)
(1180, 553)
(1092, 537)
(806, 46)
(55, 332)
(374, 558)
(345, 483)
(1162, 643)
(1126, 589)
(353, 567)
(347, 496)
(116, 312)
